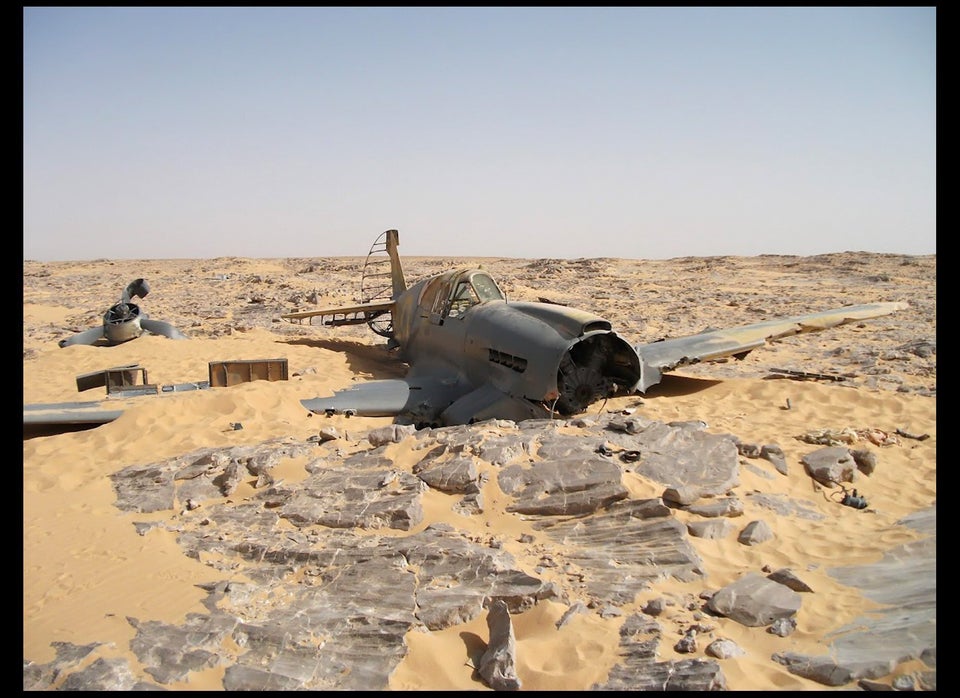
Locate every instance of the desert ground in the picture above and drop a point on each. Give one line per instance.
(86, 569)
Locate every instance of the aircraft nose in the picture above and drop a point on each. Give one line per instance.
(600, 366)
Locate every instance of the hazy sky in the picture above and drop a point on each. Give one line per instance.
(638, 132)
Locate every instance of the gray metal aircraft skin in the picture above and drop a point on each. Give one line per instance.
(124, 321)
(474, 355)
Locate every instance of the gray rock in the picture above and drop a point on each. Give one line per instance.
(755, 532)
(869, 685)
(713, 529)
(754, 601)
(578, 607)
(459, 476)
(639, 670)
(394, 433)
(688, 643)
(787, 577)
(347, 498)
(903, 682)
(830, 464)
(326, 603)
(774, 454)
(785, 506)
(782, 627)
(905, 628)
(724, 649)
(106, 675)
(626, 546)
(725, 506)
(682, 496)
(562, 487)
(820, 669)
(498, 665)
(654, 607)
(866, 460)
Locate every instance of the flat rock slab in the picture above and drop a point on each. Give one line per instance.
(340, 566)
(870, 646)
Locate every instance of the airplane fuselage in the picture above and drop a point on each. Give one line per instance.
(543, 356)
(474, 355)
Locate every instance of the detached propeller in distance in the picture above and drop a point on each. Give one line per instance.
(124, 321)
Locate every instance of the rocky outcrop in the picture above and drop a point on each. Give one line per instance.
(337, 568)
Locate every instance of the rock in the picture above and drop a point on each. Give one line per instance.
(774, 454)
(394, 433)
(829, 465)
(755, 532)
(714, 529)
(754, 601)
(786, 577)
(782, 626)
(688, 643)
(866, 460)
(498, 665)
(654, 607)
(683, 496)
(576, 608)
(724, 649)
(726, 506)
(332, 574)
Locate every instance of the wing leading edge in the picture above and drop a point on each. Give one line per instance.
(660, 357)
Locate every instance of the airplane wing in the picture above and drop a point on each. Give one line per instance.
(349, 315)
(660, 357)
(91, 413)
(424, 397)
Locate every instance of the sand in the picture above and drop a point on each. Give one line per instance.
(85, 569)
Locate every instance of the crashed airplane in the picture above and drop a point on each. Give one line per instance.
(474, 355)
(124, 321)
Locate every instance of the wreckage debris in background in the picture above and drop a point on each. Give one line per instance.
(124, 321)
(121, 382)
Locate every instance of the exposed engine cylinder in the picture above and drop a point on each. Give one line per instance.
(122, 322)
(600, 366)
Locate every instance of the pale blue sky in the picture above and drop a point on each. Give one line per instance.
(636, 132)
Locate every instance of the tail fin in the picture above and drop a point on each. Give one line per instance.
(396, 269)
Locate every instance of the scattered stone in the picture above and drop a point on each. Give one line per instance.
(654, 607)
(903, 682)
(727, 506)
(866, 460)
(774, 454)
(782, 626)
(639, 670)
(755, 532)
(868, 685)
(786, 577)
(688, 643)
(830, 465)
(754, 601)
(394, 433)
(576, 608)
(323, 578)
(724, 649)
(714, 529)
(681, 495)
(498, 665)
